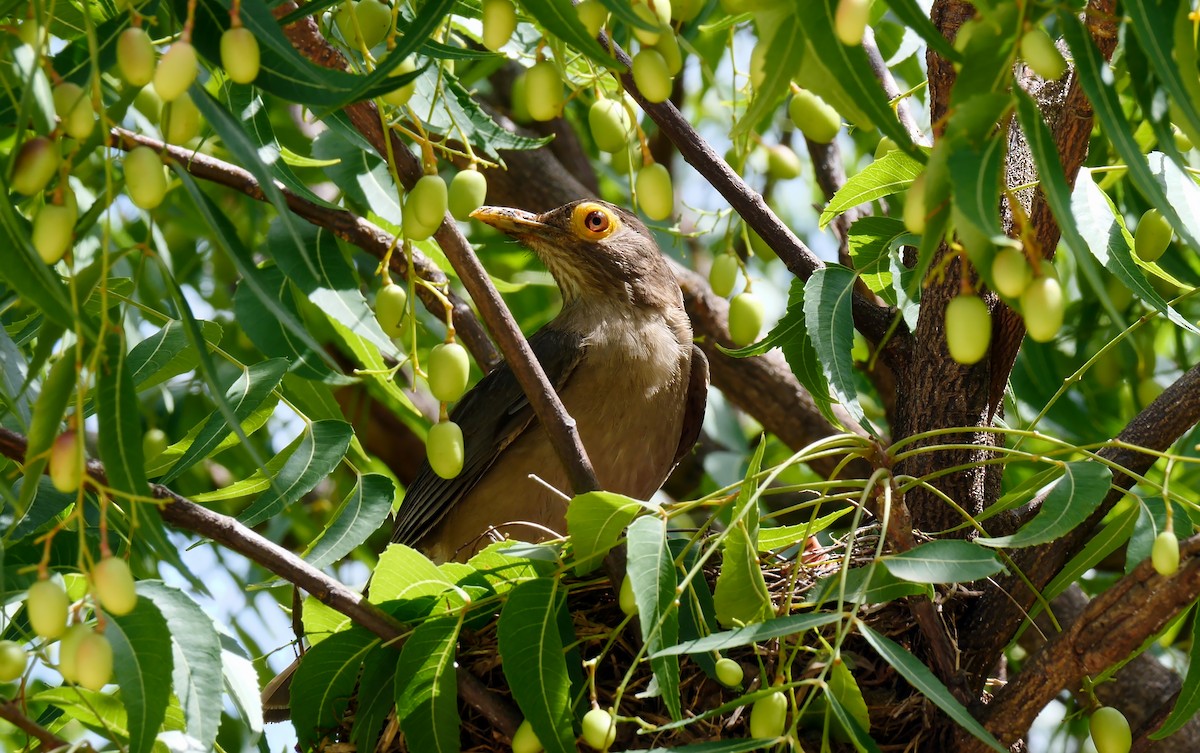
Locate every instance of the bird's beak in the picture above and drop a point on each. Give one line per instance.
(515, 222)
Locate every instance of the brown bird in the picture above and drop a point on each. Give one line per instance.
(619, 354)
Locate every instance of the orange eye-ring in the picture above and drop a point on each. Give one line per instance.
(593, 222)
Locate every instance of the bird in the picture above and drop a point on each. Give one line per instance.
(620, 356)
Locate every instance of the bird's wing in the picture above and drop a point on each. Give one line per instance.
(694, 405)
(491, 416)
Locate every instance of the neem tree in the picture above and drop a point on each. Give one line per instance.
(234, 305)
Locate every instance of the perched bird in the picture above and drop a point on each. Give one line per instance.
(619, 354)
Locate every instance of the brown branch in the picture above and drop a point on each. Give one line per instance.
(184, 514)
(11, 713)
(888, 83)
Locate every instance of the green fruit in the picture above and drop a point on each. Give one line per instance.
(850, 21)
(428, 200)
(524, 739)
(758, 64)
(400, 97)
(46, 607)
(668, 47)
(968, 328)
(543, 91)
(74, 110)
(593, 15)
(1110, 731)
(519, 100)
(729, 672)
(364, 24)
(654, 193)
(145, 180)
(686, 10)
(68, 651)
(66, 462)
(816, 119)
(113, 585)
(468, 190)
(13, 659)
(657, 14)
(94, 661)
(390, 305)
(1152, 236)
(768, 715)
(1011, 272)
(445, 449)
(625, 598)
(53, 232)
(36, 165)
(449, 371)
(599, 729)
(651, 75)
(746, 316)
(1148, 390)
(31, 34)
(240, 55)
(499, 23)
(627, 160)
(724, 274)
(610, 125)
(1042, 306)
(1041, 55)
(783, 163)
(176, 71)
(135, 56)
(154, 443)
(181, 121)
(415, 230)
(1164, 555)
(914, 207)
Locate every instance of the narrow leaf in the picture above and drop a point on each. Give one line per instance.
(426, 687)
(1187, 703)
(561, 20)
(778, 627)
(651, 572)
(828, 296)
(324, 682)
(322, 450)
(142, 665)
(596, 521)
(120, 421)
(361, 513)
(948, 561)
(1069, 502)
(891, 174)
(785, 53)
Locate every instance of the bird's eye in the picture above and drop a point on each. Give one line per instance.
(596, 221)
(592, 221)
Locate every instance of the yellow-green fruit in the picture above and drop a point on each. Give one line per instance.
(373, 17)
(1164, 555)
(746, 316)
(593, 15)
(68, 651)
(627, 160)
(415, 230)
(468, 190)
(729, 672)
(181, 120)
(914, 206)
(1040, 54)
(850, 20)
(135, 56)
(525, 740)
(782, 162)
(543, 91)
(145, 180)
(240, 55)
(668, 46)
(654, 193)
(651, 75)
(884, 146)
(768, 715)
(74, 110)
(36, 164)
(399, 97)
(449, 371)
(686, 10)
(1110, 731)
(968, 328)
(53, 232)
(625, 598)
(758, 64)
(154, 443)
(428, 200)
(46, 607)
(31, 34)
(445, 449)
(610, 125)
(176, 71)
(658, 17)
(390, 304)
(1148, 390)
(13, 659)
(519, 99)
(724, 274)
(815, 118)
(1011, 272)
(599, 729)
(66, 462)
(94, 661)
(113, 585)
(1042, 306)
(1152, 236)
(499, 23)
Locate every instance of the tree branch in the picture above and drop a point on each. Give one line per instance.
(11, 712)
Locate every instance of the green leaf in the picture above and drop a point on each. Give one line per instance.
(120, 421)
(737, 745)
(142, 665)
(258, 481)
(1187, 703)
(874, 244)
(848, 719)
(196, 679)
(324, 682)
(778, 627)
(892, 173)
(57, 389)
(426, 686)
(930, 686)
(376, 696)
(167, 353)
(561, 20)
(1069, 501)
(741, 595)
(975, 175)
(778, 537)
(948, 561)
(405, 573)
(361, 513)
(24, 270)
(531, 650)
(651, 572)
(102, 713)
(1110, 538)
(242, 683)
(1157, 25)
(321, 451)
(871, 584)
(596, 521)
(909, 12)
(786, 52)
(845, 691)
(828, 296)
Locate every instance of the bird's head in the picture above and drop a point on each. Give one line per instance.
(594, 250)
